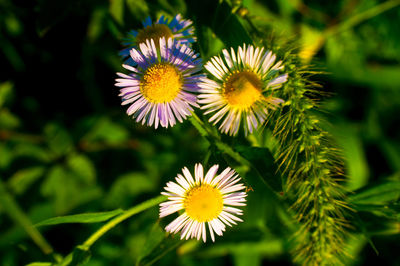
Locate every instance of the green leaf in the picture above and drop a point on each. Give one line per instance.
(96, 24)
(377, 194)
(224, 24)
(24, 178)
(155, 237)
(263, 162)
(18, 216)
(81, 166)
(6, 90)
(94, 217)
(106, 130)
(59, 140)
(67, 190)
(167, 244)
(8, 120)
(39, 264)
(127, 186)
(80, 256)
(138, 8)
(5, 156)
(32, 151)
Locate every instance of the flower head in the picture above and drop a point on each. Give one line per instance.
(244, 89)
(178, 28)
(161, 85)
(204, 199)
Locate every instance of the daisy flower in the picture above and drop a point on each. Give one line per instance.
(178, 28)
(246, 81)
(160, 89)
(204, 200)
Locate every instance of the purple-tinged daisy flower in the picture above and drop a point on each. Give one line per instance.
(160, 89)
(204, 200)
(246, 81)
(178, 28)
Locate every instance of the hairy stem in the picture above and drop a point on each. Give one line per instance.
(313, 167)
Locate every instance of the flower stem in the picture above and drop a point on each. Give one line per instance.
(114, 222)
(12, 208)
(127, 214)
(215, 139)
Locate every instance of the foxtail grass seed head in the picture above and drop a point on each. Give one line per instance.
(203, 200)
(178, 29)
(246, 80)
(161, 87)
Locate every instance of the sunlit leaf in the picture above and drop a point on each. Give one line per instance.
(94, 217)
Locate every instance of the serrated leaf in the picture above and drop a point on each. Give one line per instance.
(94, 217)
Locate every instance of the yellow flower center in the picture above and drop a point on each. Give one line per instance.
(203, 203)
(155, 32)
(160, 83)
(242, 89)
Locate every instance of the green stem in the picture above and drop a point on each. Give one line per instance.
(215, 139)
(370, 13)
(15, 212)
(114, 222)
(127, 214)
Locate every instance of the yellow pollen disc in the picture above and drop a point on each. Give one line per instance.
(203, 203)
(242, 89)
(160, 83)
(155, 32)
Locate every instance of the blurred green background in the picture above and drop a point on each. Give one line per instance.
(67, 146)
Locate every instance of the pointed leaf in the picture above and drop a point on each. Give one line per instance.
(94, 217)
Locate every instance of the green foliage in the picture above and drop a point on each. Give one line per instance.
(69, 154)
(81, 218)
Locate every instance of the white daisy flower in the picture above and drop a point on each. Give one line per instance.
(161, 87)
(246, 81)
(204, 200)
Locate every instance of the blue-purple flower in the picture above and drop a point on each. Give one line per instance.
(178, 29)
(161, 87)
